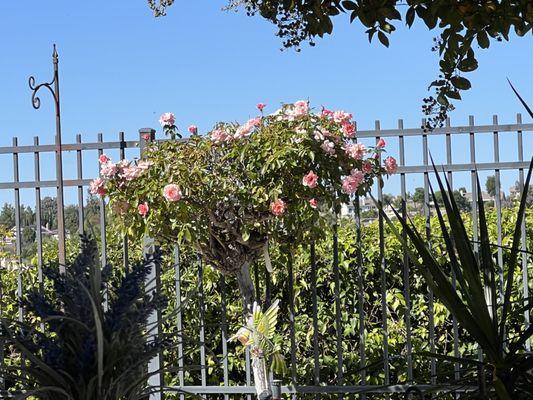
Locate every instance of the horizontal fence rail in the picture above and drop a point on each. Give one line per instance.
(194, 373)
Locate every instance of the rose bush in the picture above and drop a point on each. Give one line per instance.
(279, 177)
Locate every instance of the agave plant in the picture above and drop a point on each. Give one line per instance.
(85, 350)
(473, 300)
(259, 336)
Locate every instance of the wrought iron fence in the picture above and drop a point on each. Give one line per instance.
(314, 384)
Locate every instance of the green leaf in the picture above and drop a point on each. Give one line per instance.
(383, 39)
(461, 83)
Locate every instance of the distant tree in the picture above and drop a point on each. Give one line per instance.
(461, 26)
(71, 219)
(92, 216)
(490, 185)
(529, 197)
(462, 203)
(49, 212)
(387, 198)
(7, 216)
(418, 196)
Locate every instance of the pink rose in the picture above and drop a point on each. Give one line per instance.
(310, 180)
(348, 129)
(219, 136)
(325, 113)
(146, 136)
(341, 116)
(255, 122)
(108, 169)
(172, 192)
(313, 203)
(97, 186)
(278, 207)
(167, 119)
(355, 151)
(242, 131)
(328, 146)
(391, 166)
(261, 106)
(193, 129)
(352, 182)
(367, 167)
(130, 173)
(380, 144)
(143, 209)
(103, 159)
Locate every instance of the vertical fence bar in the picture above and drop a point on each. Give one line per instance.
(179, 320)
(79, 165)
(473, 174)
(498, 205)
(455, 326)
(338, 313)
(38, 222)
(225, 370)
(383, 281)
(427, 216)
(18, 244)
(152, 286)
(525, 275)
(406, 272)
(125, 249)
(201, 306)
(292, 329)
(360, 292)
(314, 295)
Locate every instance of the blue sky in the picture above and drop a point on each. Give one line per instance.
(121, 68)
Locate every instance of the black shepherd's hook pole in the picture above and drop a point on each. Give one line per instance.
(53, 87)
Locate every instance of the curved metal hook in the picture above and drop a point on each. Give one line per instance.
(413, 391)
(35, 100)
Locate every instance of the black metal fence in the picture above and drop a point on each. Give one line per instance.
(457, 149)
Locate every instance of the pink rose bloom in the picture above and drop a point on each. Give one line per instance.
(278, 207)
(130, 173)
(391, 166)
(352, 182)
(318, 135)
(167, 119)
(348, 129)
(193, 129)
(341, 116)
(172, 192)
(260, 106)
(355, 151)
(103, 159)
(328, 146)
(242, 131)
(146, 136)
(310, 180)
(325, 113)
(313, 203)
(380, 144)
(143, 209)
(367, 167)
(297, 110)
(219, 136)
(108, 169)
(97, 186)
(255, 122)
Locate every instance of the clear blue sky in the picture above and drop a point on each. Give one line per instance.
(121, 68)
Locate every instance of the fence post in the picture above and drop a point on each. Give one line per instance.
(153, 284)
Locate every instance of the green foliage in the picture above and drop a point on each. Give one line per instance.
(75, 347)
(231, 181)
(473, 298)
